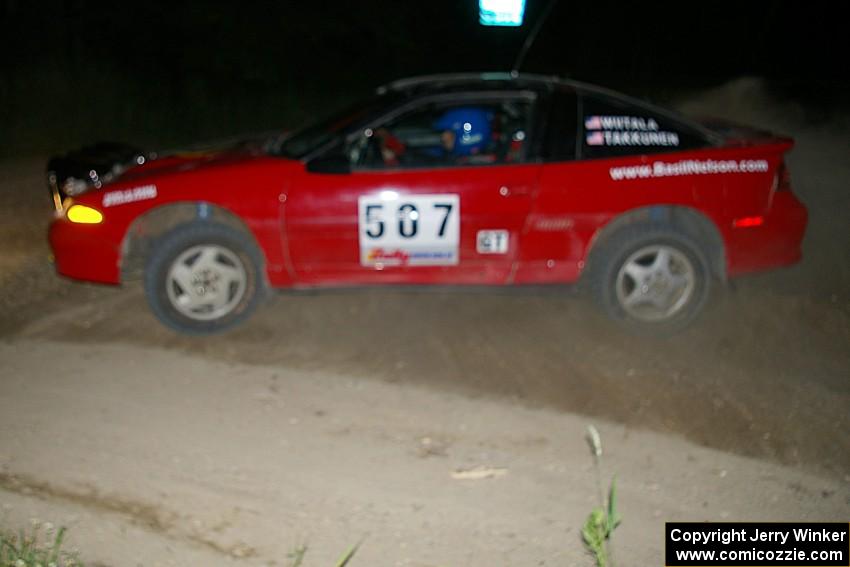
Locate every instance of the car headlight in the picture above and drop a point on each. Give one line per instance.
(82, 214)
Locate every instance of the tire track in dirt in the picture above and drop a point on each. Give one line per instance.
(168, 524)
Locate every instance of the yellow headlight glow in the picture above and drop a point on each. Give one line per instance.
(82, 214)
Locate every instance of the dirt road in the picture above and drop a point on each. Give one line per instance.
(157, 458)
(311, 420)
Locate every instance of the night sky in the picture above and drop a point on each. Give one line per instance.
(74, 71)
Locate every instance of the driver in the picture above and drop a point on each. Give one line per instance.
(464, 132)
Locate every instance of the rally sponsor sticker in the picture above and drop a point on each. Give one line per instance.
(125, 196)
(688, 167)
(417, 230)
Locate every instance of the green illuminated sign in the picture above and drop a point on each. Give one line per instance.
(501, 12)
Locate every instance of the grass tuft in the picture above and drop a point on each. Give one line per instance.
(36, 549)
(296, 556)
(600, 524)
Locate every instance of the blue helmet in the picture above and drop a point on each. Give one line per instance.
(471, 127)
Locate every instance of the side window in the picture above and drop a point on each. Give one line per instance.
(612, 128)
(559, 143)
(447, 135)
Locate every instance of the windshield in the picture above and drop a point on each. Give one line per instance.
(317, 134)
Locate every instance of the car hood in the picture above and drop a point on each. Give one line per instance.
(92, 166)
(187, 160)
(105, 163)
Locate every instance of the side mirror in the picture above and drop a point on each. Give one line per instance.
(333, 163)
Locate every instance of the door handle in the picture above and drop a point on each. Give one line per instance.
(515, 191)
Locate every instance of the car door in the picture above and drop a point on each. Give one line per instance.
(412, 211)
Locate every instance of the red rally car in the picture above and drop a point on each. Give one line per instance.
(464, 179)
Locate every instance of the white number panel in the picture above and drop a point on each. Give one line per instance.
(420, 230)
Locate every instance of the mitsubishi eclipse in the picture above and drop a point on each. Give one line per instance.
(464, 179)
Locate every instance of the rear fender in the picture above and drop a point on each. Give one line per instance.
(688, 220)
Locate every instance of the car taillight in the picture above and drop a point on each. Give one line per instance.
(783, 178)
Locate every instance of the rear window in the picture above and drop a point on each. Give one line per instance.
(613, 128)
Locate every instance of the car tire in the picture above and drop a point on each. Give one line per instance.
(203, 278)
(650, 278)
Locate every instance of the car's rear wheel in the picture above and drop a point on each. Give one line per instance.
(203, 278)
(651, 278)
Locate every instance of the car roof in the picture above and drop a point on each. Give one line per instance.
(495, 80)
(427, 84)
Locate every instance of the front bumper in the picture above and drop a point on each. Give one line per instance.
(85, 251)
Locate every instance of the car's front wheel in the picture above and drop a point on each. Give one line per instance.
(203, 278)
(652, 278)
